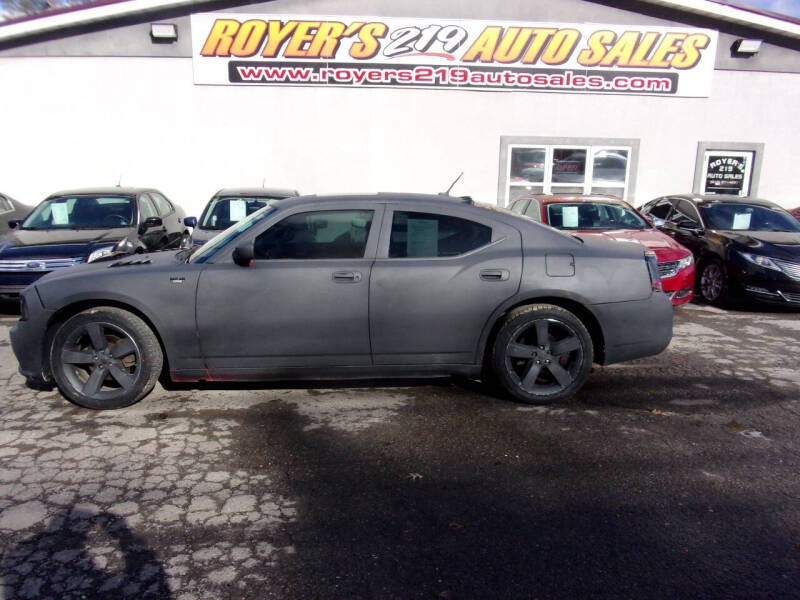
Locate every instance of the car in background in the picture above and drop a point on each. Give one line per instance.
(79, 226)
(229, 206)
(11, 211)
(384, 285)
(744, 247)
(611, 218)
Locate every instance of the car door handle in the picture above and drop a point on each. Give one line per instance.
(495, 274)
(346, 276)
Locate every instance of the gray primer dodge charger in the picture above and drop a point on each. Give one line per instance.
(384, 285)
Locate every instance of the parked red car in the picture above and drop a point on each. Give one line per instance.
(612, 218)
(795, 212)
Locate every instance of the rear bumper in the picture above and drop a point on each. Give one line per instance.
(635, 329)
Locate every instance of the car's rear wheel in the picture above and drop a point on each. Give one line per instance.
(713, 283)
(542, 354)
(105, 358)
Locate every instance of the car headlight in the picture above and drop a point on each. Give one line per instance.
(761, 261)
(685, 262)
(100, 253)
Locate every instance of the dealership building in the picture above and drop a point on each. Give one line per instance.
(633, 98)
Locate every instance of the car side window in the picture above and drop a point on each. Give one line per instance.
(146, 208)
(685, 215)
(534, 211)
(162, 204)
(519, 206)
(316, 235)
(660, 210)
(425, 235)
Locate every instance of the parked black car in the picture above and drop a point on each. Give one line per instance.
(11, 210)
(744, 247)
(79, 226)
(350, 287)
(229, 206)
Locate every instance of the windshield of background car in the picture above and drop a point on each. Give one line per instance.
(593, 216)
(210, 248)
(82, 212)
(222, 212)
(733, 216)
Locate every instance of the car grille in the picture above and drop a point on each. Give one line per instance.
(44, 265)
(790, 297)
(668, 269)
(792, 269)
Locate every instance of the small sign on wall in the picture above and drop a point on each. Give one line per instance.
(727, 172)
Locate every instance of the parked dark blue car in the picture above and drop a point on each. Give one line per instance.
(79, 226)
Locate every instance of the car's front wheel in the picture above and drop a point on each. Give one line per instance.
(713, 283)
(542, 354)
(105, 358)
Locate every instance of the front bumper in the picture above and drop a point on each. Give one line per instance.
(29, 340)
(680, 287)
(747, 280)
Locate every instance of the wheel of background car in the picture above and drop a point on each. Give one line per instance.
(105, 358)
(542, 353)
(713, 283)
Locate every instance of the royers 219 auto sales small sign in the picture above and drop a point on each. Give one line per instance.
(300, 50)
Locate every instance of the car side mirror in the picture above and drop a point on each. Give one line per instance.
(190, 221)
(14, 223)
(243, 255)
(149, 223)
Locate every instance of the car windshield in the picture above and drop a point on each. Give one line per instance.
(209, 249)
(224, 211)
(735, 216)
(597, 216)
(82, 212)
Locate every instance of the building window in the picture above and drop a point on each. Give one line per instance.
(566, 166)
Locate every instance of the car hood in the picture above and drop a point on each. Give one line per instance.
(201, 236)
(780, 244)
(24, 243)
(126, 263)
(664, 246)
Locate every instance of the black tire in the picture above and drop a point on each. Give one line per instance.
(105, 358)
(542, 354)
(713, 283)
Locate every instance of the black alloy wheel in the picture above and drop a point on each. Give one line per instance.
(543, 353)
(713, 283)
(105, 358)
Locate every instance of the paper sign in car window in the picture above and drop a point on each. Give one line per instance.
(423, 238)
(569, 216)
(59, 212)
(238, 210)
(741, 221)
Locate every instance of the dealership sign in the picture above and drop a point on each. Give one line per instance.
(727, 172)
(240, 49)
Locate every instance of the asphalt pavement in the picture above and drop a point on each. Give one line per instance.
(676, 476)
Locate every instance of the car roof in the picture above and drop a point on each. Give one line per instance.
(110, 190)
(714, 198)
(257, 192)
(380, 198)
(552, 199)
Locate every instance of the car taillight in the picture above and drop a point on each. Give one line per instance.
(652, 267)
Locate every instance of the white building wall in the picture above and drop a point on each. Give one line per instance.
(76, 122)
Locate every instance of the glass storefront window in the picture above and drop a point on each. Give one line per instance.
(567, 169)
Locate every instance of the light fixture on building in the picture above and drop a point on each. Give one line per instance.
(164, 32)
(746, 47)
